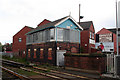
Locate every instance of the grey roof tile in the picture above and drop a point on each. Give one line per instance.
(86, 25)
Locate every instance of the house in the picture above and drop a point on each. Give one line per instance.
(47, 43)
(88, 37)
(45, 21)
(108, 38)
(19, 42)
(7, 47)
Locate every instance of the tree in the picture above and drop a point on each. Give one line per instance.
(0, 44)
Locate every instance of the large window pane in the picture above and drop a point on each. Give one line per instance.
(47, 35)
(29, 38)
(60, 34)
(74, 36)
(66, 35)
(35, 37)
(43, 37)
(40, 36)
(52, 34)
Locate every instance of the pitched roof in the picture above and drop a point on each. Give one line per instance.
(24, 28)
(86, 25)
(29, 27)
(113, 30)
(45, 21)
(51, 24)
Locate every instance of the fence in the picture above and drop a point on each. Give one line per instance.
(110, 63)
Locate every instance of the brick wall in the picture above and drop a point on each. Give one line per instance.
(85, 40)
(69, 47)
(49, 51)
(87, 63)
(45, 53)
(20, 47)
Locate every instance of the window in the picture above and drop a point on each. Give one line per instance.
(29, 53)
(60, 34)
(35, 53)
(47, 35)
(35, 37)
(74, 36)
(66, 36)
(20, 39)
(28, 38)
(92, 35)
(41, 53)
(52, 34)
(49, 53)
(40, 36)
(43, 36)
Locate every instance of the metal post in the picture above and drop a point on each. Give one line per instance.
(117, 29)
(79, 13)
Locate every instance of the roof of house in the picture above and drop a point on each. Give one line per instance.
(86, 25)
(45, 21)
(113, 30)
(24, 28)
(51, 24)
(29, 27)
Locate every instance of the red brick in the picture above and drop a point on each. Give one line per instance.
(20, 46)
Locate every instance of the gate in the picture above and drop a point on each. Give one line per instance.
(110, 63)
(60, 57)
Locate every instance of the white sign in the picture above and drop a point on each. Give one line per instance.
(91, 41)
(108, 46)
(105, 37)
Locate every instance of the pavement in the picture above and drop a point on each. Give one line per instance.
(91, 74)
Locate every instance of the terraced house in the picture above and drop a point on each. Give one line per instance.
(47, 43)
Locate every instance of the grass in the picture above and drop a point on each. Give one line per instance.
(24, 61)
(20, 71)
(16, 59)
(48, 67)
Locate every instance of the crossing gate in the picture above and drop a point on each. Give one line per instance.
(110, 63)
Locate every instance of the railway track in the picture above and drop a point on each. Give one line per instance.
(14, 75)
(57, 75)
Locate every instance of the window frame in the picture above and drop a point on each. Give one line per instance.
(19, 39)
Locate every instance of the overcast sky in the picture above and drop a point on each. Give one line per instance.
(15, 14)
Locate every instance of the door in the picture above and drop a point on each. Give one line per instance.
(60, 57)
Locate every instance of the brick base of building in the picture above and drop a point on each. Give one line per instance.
(87, 63)
(49, 50)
